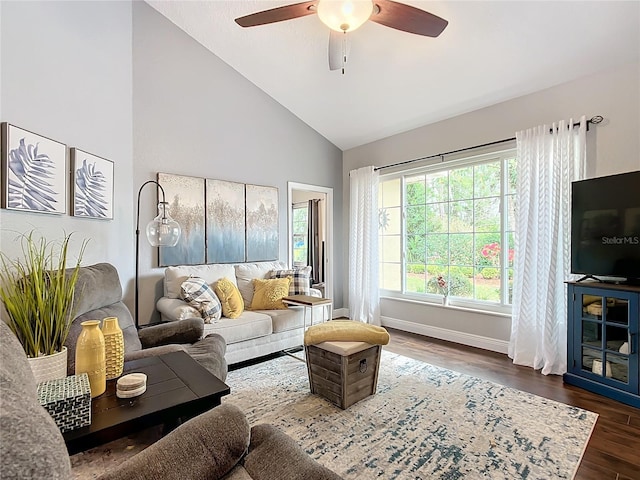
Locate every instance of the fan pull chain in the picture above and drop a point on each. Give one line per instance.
(344, 50)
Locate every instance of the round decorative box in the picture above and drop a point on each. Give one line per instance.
(131, 385)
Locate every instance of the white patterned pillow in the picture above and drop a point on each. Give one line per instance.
(197, 293)
(300, 282)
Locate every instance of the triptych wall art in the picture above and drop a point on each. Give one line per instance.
(34, 176)
(222, 221)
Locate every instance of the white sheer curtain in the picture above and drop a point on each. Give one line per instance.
(364, 299)
(549, 159)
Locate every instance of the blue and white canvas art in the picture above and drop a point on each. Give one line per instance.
(185, 196)
(225, 221)
(262, 223)
(34, 176)
(92, 185)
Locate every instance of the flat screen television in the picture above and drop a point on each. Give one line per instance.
(605, 227)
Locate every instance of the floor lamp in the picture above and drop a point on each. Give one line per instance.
(162, 231)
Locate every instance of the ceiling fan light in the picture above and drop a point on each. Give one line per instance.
(344, 15)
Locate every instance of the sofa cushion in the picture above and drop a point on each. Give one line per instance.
(247, 326)
(197, 293)
(230, 298)
(284, 320)
(98, 285)
(174, 276)
(300, 284)
(246, 272)
(268, 294)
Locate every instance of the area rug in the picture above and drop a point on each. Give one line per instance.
(423, 422)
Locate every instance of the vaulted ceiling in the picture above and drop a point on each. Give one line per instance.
(490, 52)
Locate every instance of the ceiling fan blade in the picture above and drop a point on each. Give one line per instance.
(407, 18)
(278, 14)
(335, 50)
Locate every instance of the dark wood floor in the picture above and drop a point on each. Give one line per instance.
(613, 452)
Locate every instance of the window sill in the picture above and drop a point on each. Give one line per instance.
(430, 303)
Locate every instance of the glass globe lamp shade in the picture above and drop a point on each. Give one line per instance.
(163, 230)
(344, 15)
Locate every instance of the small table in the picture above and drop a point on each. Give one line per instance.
(308, 302)
(177, 386)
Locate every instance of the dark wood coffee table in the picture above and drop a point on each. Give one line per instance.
(177, 387)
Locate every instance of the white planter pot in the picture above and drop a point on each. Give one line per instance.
(49, 367)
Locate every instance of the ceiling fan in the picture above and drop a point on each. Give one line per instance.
(345, 16)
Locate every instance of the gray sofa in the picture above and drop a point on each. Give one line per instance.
(98, 294)
(218, 444)
(255, 333)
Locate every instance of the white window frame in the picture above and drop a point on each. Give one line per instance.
(503, 155)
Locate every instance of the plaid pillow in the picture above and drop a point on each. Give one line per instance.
(300, 279)
(197, 293)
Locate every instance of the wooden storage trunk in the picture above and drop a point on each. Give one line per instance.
(343, 372)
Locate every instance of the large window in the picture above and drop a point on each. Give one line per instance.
(447, 230)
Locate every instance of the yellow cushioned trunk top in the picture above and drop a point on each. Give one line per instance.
(346, 331)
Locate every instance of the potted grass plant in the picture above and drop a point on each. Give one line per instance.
(37, 291)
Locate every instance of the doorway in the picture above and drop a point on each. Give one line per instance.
(310, 232)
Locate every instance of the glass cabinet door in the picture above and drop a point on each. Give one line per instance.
(606, 337)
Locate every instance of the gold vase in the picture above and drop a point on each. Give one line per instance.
(90, 356)
(113, 347)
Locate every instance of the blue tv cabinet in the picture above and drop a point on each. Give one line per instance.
(602, 337)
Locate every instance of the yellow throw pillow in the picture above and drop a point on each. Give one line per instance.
(267, 294)
(230, 298)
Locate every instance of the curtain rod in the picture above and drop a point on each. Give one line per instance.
(594, 120)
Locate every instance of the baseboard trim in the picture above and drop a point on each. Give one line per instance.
(463, 338)
(340, 312)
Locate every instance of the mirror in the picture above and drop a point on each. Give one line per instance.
(310, 232)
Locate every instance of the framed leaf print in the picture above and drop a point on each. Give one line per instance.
(92, 185)
(33, 172)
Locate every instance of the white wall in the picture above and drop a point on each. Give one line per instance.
(66, 74)
(119, 80)
(194, 115)
(614, 147)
